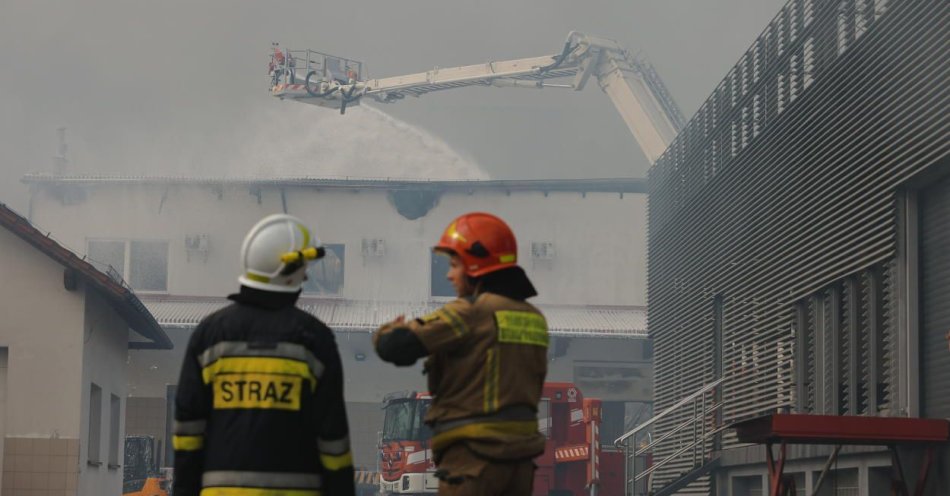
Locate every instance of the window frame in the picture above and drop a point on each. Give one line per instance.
(128, 264)
(115, 435)
(127, 260)
(94, 425)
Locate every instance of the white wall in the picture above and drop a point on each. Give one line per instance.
(104, 363)
(58, 342)
(600, 239)
(42, 326)
(3, 407)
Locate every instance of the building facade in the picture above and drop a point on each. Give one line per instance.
(64, 341)
(177, 241)
(799, 237)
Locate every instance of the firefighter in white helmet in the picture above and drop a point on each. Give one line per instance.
(259, 408)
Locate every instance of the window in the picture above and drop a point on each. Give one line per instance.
(779, 28)
(780, 95)
(793, 75)
(747, 485)
(756, 61)
(95, 424)
(717, 347)
(843, 338)
(862, 10)
(792, 21)
(440, 286)
(734, 140)
(756, 115)
(844, 28)
(612, 423)
(544, 417)
(808, 57)
(325, 276)
(148, 265)
(142, 263)
(115, 409)
(744, 64)
(103, 254)
(733, 87)
(612, 381)
(404, 420)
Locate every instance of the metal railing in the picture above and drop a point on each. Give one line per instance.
(293, 66)
(705, 422)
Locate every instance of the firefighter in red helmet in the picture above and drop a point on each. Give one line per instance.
(487, 360)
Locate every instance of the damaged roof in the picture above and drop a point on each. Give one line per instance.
(122, 299)
(614, 185)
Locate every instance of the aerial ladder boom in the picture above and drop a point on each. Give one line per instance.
(632, 84)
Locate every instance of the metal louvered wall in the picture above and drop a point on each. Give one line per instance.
(845, 338)
(935, 283)
(779, 195)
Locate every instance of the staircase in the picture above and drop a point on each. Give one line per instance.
(703, 426)
(687, 478)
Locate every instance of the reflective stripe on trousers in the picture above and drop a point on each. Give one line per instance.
(244, 483)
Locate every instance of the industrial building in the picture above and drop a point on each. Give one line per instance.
(799, 248)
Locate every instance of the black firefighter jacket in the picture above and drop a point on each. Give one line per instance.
(259, 409)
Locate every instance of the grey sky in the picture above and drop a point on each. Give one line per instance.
(180, 87)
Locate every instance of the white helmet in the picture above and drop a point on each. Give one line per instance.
(275, 254)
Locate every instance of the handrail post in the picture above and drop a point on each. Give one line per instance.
(702, 421)
(632, 464)
(695, 406)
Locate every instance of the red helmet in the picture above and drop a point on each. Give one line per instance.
(483, 242)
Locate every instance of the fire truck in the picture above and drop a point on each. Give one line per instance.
(574, 462)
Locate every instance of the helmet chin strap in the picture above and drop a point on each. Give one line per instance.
(295, 278)
(475, 283)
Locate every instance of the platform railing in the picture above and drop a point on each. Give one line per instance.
(293, 67)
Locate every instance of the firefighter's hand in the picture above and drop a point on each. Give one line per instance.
(388, 327)
(399, 321)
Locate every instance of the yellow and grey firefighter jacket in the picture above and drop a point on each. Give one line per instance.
(486, 369)
(259, 409)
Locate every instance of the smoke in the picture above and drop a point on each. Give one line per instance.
(180, 87)
(293, 139)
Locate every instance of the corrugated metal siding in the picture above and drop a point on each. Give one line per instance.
(346, 315)
(935, 282)
(782, 184)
